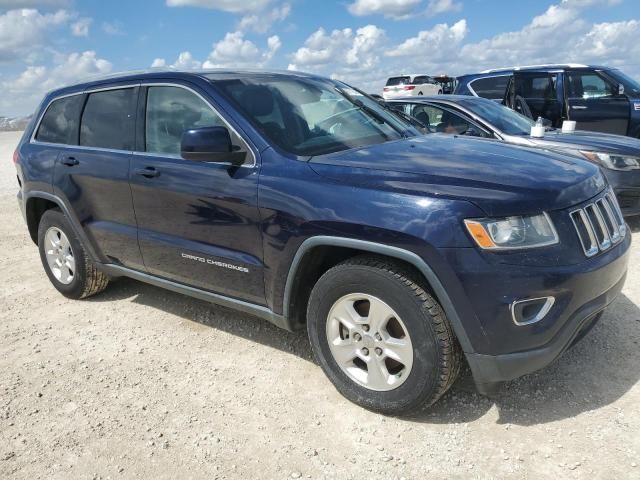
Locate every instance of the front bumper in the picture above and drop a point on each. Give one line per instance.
(626, 185)
(507, 351)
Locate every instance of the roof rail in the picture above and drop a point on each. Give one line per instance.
(547, 65)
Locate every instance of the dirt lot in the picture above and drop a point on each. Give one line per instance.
(140, 382)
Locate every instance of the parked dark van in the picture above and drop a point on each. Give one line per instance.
(300, 200)
(600, 99)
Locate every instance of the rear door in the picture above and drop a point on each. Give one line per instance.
(539, 90)
(593, 102)
(92, 174)
(198, 222)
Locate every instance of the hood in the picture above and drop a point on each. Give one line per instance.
(499, 178)
(591, 141)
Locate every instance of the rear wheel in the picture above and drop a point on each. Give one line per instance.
(383, 341)
(66, 263)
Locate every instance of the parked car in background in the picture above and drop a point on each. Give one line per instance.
(600, 99)
(300, 200)
(618, 156)
(410, 85)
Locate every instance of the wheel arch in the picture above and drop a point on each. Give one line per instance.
(346, 247)
(36, 203)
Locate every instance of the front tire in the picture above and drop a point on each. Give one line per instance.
(383, 341)
(65, 261)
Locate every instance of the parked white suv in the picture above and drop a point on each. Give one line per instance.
(410, 85)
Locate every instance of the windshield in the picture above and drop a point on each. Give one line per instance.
(502, 118)
(630, 85)
(308, 117)
(393, 81)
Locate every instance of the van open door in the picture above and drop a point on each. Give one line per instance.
(535, 94)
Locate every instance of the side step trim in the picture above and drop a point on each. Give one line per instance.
(240, 305)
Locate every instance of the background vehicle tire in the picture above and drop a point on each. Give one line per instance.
(376, 311)
(68, 266)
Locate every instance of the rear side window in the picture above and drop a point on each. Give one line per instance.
(492, 88)
(60, 122)
(107, 120)
(539, 86)
(171, 111)
(422, 79)
(393, 81)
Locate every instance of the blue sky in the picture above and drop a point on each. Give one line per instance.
(47, 43)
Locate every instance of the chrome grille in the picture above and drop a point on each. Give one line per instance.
(599, 225)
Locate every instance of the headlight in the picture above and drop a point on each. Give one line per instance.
(513, 232)
(612, 161)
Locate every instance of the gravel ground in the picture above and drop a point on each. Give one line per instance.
(141, 382)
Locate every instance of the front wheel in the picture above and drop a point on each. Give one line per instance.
(66, 263)
(383, 341)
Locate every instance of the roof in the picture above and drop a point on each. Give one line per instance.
(534, 68)
(169, 73)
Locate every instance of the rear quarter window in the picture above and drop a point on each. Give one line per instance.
(60, 122)
(492, 88)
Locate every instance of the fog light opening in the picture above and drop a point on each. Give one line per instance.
(531, 310)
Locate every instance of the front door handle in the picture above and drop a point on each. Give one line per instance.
(579, 107)
(69, 161)
(148, 172)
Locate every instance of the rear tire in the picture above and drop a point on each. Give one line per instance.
(416, 327)
(65, 261)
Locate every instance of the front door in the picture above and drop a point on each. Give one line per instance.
(594, 103)
(198, 222)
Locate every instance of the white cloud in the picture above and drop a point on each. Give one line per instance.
(388, 8)
(263, 22)
(439, 42)
(436, 7)
(236, 51)
(232, 51)
(232, 6)
(80, 28)
(11, 4)
(22, 93)
(25, 29)
(344, 48)
(113, 28)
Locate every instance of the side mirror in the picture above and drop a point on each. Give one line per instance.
(620, 89)
(210, 144)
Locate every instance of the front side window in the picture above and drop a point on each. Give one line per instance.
(311, 116)
(427, 114)
(107, 120)
(172, 110)
(587, 85)
(492, 88)
(60, 122)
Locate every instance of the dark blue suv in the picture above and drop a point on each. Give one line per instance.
(600, 99)
(302, 201)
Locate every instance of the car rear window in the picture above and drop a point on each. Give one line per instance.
(60, 122)
(492, 88)
(107, 120)
(398, 81)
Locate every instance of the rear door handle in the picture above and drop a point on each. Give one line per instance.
(148, 172)
(69, 161)
(579, 107)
